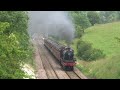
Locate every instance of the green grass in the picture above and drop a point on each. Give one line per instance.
(102, 69)
(102, 37)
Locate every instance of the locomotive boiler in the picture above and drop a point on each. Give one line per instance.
(64, 54)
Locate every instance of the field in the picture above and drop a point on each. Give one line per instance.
(103, 37)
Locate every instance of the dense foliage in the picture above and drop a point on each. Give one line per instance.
(86, 52)
(81, 22)
(93, 17)
(85, 19)
(14, 43)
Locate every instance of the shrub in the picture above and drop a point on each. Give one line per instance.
(86, 52)
(96, 54)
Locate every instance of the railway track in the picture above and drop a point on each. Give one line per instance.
(49, 66)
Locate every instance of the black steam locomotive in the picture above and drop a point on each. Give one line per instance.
(64, 54)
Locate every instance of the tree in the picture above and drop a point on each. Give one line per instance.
(109, 16)
(93, 17)
(79, 31)
(81, 21)
(80, 18)
(118, 12)
(14, 43)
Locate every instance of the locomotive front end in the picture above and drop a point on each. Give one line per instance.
(68, 59)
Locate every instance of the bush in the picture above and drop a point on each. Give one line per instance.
(96, 54)
(86, 52)
(82, 47)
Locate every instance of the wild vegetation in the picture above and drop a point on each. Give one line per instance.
(15, 47)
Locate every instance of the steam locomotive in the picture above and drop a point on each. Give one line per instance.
(64, 54)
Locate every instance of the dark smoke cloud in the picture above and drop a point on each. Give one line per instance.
(55, 23)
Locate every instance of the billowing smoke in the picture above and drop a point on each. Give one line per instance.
(56, 23)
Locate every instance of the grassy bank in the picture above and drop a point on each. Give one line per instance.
(103, 37)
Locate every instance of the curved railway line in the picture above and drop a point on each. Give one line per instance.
(48, 67)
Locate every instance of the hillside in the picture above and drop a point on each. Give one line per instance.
(103, 37)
